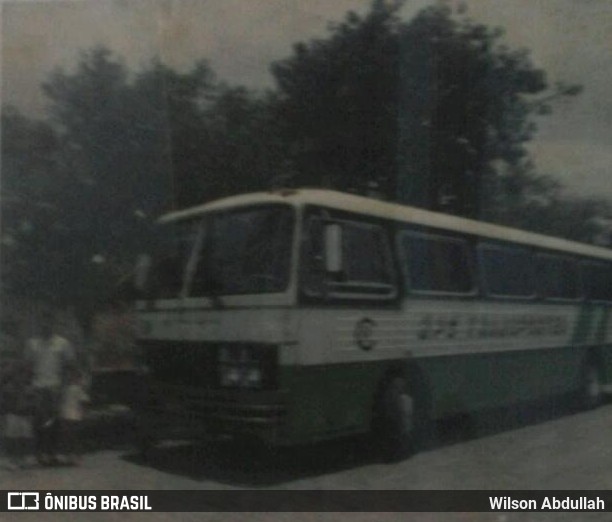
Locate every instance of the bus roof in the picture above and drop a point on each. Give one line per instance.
(394, 211)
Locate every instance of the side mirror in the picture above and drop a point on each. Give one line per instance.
(141, 271)
(333, 248)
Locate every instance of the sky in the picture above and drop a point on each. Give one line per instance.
(569, 39)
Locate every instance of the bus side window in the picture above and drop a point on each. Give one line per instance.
(597, 279)
(365, 255)
(558, 277)
(367, 268)
(507, 271)
(437, 264)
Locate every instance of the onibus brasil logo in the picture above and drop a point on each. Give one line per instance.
(23, 501)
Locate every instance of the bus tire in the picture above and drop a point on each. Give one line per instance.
(401, 420)
(145, 443)
(591, 391)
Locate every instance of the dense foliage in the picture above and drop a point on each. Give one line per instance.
(433, 111)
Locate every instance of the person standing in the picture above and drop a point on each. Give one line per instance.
(48, 355)
(71, 414)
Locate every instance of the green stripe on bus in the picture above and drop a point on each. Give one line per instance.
(583, 324)
(600, 332)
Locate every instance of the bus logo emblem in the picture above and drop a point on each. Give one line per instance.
(364, 334)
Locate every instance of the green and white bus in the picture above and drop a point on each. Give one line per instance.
(301, 315)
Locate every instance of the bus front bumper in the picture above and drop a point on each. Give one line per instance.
(194, 412)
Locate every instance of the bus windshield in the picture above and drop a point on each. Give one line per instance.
(172, 247)
(241, 251)
(245, 251)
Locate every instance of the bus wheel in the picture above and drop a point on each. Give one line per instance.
(591, 392)
(145, 443)
(146, 448)
(401, 419)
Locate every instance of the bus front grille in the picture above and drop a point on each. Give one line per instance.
(196, 364)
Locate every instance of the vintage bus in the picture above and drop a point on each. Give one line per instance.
(300, 315)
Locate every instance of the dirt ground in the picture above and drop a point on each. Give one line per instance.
(521, 448)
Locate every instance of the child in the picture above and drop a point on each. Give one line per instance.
(71, 414)
(17, 406)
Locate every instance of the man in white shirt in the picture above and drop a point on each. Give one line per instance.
(48, 355)
(71, 414)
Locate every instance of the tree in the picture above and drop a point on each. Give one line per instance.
(338, 101)
(111, 171)
(114, 148)
(471, 100)
(171, 109)
(245, 151)
(221, 140)
(528, 200)
(118, 150)
(30, 205)
(426, 109)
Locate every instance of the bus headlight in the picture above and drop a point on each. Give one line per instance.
(253, 377)
(246, 366)
(240, 375)
(230, 375)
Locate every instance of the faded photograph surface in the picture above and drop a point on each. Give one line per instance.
(306, 245)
